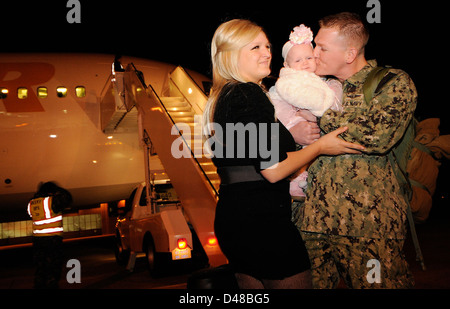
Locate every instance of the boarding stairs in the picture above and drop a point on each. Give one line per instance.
(171, 125)
(181, 112)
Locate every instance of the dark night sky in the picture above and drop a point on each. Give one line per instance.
(410, 36)
(407, 36)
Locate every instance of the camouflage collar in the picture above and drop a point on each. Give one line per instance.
(360, 76)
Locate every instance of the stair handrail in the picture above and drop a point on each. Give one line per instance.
(150, 90)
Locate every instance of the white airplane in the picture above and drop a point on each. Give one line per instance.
(51, 128)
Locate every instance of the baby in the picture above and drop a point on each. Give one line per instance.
(299, 88)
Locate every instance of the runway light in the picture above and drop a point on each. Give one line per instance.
(182, 243)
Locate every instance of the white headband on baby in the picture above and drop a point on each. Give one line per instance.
(300, 35)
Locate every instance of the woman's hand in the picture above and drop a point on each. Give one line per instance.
(331, 144)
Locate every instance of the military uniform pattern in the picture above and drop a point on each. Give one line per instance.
(353, 210)
(358, 195)
(350, 258)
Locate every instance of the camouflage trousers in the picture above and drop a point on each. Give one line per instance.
(362, 263)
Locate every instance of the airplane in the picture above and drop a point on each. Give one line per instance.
(51, 128)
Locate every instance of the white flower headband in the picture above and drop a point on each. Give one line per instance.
(300, 35)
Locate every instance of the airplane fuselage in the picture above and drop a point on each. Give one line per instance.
(50, 128)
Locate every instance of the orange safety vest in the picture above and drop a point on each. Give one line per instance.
(45, 221)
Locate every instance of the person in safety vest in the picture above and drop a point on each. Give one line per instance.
(45, 208)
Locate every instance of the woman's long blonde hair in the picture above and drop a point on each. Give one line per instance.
(229, 38)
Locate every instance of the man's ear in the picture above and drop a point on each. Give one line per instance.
(350, 54)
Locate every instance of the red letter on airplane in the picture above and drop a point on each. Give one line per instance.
(31, 74)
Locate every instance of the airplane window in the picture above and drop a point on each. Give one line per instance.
(80, 91)
(61, 92)
(3, 93)
(22, 93)
(42, 92)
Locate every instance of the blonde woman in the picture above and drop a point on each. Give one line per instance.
(254, 155)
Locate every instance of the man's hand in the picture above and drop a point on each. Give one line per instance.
(305, 132)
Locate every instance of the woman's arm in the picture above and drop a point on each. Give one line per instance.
(329, 144)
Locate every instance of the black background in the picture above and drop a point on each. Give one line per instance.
(412, 35)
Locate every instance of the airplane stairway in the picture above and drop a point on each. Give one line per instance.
(181, 111)
(173, 125)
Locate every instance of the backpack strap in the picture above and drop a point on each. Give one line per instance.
(375, 80)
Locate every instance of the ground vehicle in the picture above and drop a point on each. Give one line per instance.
(162, 233)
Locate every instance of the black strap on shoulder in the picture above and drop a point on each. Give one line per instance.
(375, 81)
(385, 79)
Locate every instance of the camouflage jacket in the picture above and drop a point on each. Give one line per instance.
(358, 195)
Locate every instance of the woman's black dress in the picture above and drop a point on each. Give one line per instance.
(253, 218)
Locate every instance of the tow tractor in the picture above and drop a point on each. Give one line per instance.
(154, 226)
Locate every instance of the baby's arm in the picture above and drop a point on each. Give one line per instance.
(305, 90)
(285, 112)
(336, 86)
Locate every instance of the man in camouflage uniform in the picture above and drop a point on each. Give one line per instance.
(353, 220)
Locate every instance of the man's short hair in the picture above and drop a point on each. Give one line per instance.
(351, 26)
